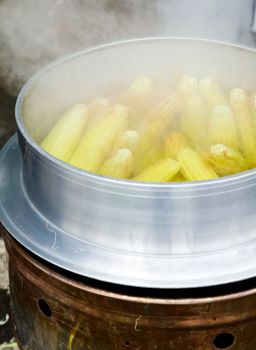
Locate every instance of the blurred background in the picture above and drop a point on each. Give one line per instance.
(34, 33)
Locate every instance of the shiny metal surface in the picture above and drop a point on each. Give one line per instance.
(141, 234)
(55, 312)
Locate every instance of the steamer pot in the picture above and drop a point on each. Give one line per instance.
(152, 235)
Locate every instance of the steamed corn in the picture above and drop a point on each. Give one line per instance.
(97, 142)
(98, 109)
(194, 119)
(239, 102)
(65, 135)
(222, 127)
(157, 132)
(167, 108)
(129, 139)
(162, 171)
(193, 167)
(226, 161)
(141, 86)
(148, 158)
(212, 92)
(188, 85)
(118, 166)
(178, 178)
(161, 116)
(174, 142)
(253, 107)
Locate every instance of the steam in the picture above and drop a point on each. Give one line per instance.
(34, 33)
(221, 20)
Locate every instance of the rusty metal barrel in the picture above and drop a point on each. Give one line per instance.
(52, 310)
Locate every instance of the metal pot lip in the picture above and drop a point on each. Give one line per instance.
(128, 184)
(117, 295)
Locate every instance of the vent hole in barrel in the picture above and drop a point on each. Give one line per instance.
(44, 308)
(127, 344)
(224, 341)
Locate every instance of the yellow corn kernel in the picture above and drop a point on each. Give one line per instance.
(194, 120)
(187, 85)
(98, 141)
(162, 171)
(174, 142)
(212, 92)
(240, 104)
(226, 161)
(118, 166)
(141, 86)
(148, 158)
(65, 135)
(193, 167)
(129, 139)
(222, 127)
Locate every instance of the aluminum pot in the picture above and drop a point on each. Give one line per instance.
(131, 233)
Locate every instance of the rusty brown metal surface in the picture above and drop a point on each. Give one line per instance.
(55, 312)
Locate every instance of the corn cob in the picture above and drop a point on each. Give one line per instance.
(245, 126)
(193, 167)
(118, 166)
(166, 108)
(160, 117)
(141, 86)
(222, 127)
(178, 178)
(187, 85)
(148, 158)
(174, 142)
(41, 129)
(162, 171)
(139, 98)
(128, 139)
(194, 119)
(98, 141)
(212, 92)
(227, 161)
(65, 135)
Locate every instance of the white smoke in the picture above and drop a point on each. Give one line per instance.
(35, 32)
